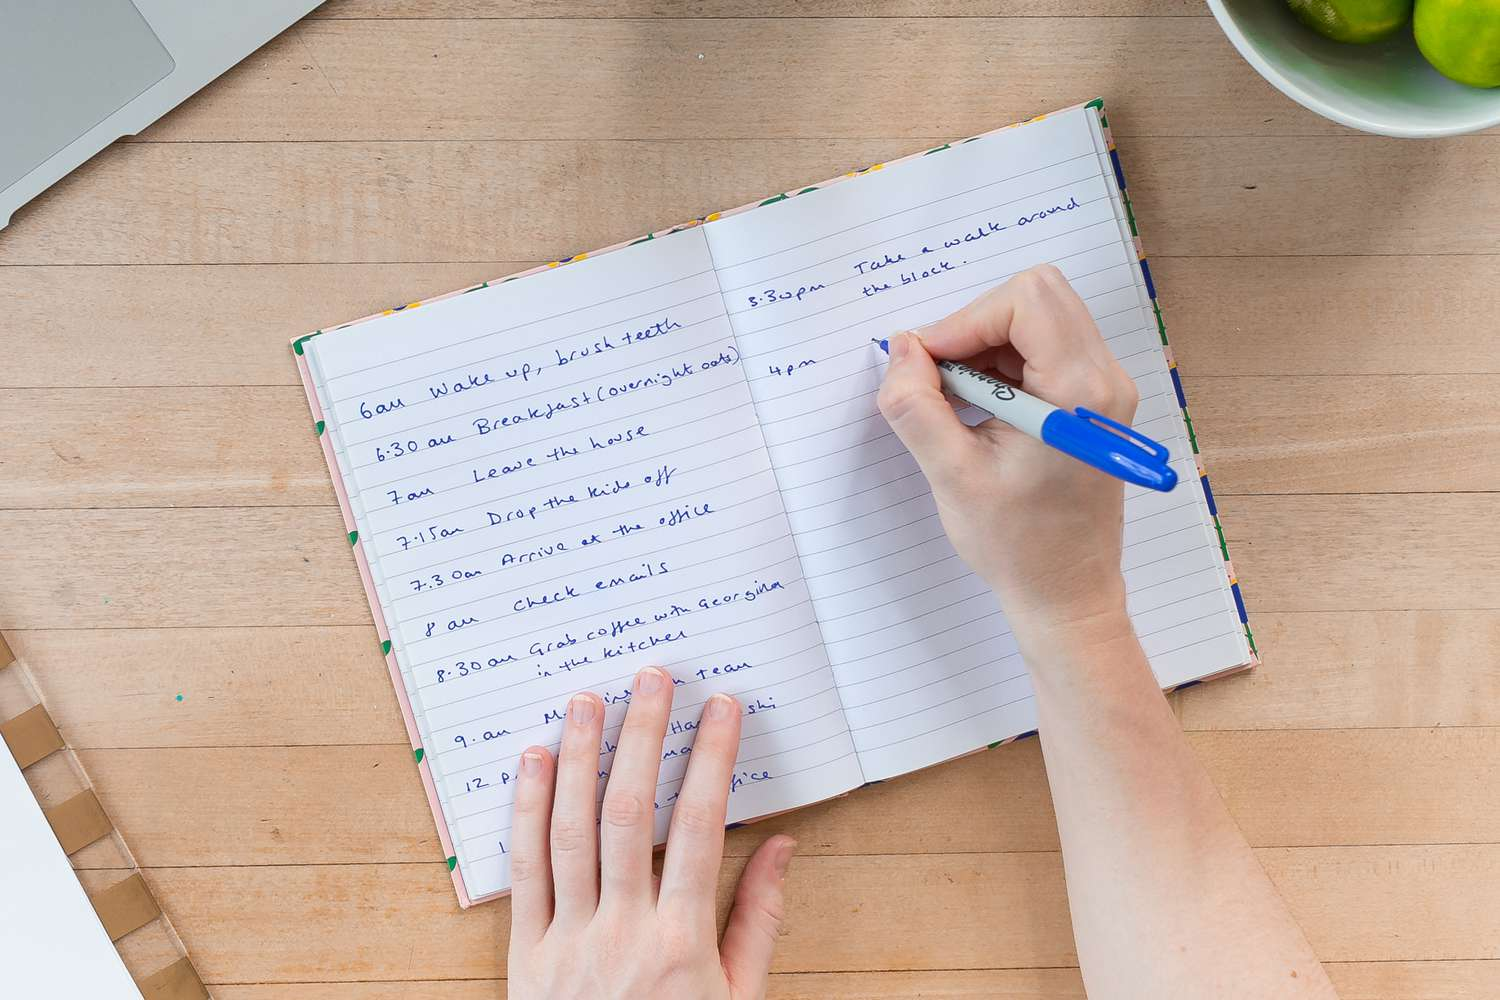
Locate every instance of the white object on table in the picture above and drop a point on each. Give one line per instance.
(51, 941)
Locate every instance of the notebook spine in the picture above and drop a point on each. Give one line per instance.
(1172, 370)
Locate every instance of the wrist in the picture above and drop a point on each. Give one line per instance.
(1073, 632)
(1080, 599)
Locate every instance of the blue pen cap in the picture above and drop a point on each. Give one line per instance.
(1111, 447)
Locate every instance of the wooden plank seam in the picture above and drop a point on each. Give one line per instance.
(124, 907)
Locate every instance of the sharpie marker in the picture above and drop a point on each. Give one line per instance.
(1090, 437)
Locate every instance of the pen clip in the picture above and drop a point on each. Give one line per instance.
(1150, 447)
(1110, 446)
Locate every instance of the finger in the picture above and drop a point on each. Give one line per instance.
(980, 326)
(695, 843)
(530, 863)
(628, 819)
(1036, 312)
(1007, 362)
(1004, 359)
(755, 922)
(575, 830)
(911, 398)
(1002, 363)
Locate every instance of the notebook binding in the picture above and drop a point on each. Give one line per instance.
(1161, 328)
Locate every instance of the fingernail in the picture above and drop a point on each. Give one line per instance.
(649, 681)
(721, 706)
(581, 710)
(531, 764)
(783, 859)
(900, 345)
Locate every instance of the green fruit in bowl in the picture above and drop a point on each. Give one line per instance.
(1353, 20)
(1461, 38)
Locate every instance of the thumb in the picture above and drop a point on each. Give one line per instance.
(912, 400)
(755, 922)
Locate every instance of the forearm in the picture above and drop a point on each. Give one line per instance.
(1167, 899)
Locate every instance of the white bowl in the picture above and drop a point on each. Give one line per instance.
(1385, 87)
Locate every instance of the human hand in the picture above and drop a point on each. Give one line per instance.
(589, 920)
(1043, 529)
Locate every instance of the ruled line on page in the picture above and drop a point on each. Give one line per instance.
(1134, 331)
(882, 218)
(552, 391)
(929, 732)
(677, 781)
(986, 282)
(495, 501)
(688, 710)
(622, 326)
(705, 656)
(612, 731)
(562, 576)
(927, 228)
(592, 470)
(1133, 307)
(511, 329)
(712, 561)
(675, 500)
(582, 618)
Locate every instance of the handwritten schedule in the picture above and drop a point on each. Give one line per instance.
(926, 665)
(671, 454)
(560, 481)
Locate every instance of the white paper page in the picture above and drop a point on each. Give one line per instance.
(926, 663)
(52, 944)
(605, 503)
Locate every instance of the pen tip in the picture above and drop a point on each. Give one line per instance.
(885, 345)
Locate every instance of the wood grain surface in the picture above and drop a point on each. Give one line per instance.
(169, 527)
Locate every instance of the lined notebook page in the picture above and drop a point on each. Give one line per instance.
(557, 482)
(926, 663)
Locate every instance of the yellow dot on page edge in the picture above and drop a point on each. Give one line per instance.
(712, 217)
(554, 263)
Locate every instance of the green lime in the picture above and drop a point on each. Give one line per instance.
(1461, 38)
(1352, 20)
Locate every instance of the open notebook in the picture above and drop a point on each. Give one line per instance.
(669, 453)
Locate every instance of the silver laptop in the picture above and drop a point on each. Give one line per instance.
(75, 75)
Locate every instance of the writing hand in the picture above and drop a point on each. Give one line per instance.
(1043, 529)
(589, 921)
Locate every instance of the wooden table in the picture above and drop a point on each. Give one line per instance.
(174, 569)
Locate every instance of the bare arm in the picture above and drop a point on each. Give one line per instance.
(1168, 901)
